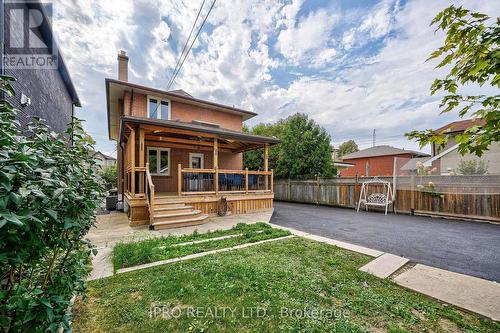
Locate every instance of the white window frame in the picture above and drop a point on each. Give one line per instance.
(158, 160)
(158, 113)
(201, 155)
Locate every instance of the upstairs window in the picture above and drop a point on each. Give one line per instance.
(158, 108)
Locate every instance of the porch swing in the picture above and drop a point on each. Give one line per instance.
(370, 197)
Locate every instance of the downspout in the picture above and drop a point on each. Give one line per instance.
(131, 102)
(122, 173)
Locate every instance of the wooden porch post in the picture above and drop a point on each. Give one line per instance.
(179, 179)
(141, 160)
(216, 165)
(266, 166)
(272, 181)
(132, 160)
(246, 180)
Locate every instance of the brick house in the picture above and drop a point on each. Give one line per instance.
(376, 161)
(179, 158)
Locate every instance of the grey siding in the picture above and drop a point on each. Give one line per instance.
(49, 95)
(49, 98)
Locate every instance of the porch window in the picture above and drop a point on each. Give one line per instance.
(159, 161)
(158, 108)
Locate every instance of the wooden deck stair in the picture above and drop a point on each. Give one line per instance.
(172, 212)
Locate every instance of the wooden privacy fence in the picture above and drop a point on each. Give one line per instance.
(441, 201)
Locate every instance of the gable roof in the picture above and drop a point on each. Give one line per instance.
(460, 125)
(107, 157)
(116, 88)
(441, 154)
(180, 92)
(412, 163)
(383, 150)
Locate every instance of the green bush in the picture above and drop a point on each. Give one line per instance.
(472, 167)
(109, 175)
(48, 196)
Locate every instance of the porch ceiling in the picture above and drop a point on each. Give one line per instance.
(178, 134)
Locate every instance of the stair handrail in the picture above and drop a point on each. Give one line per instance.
(150, 194)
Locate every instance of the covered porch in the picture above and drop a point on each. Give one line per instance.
(176, 173)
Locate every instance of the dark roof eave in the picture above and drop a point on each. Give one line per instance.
(413, 153)
(223, 133)
(47, 32)
(166, 93)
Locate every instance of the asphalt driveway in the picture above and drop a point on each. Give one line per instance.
(471, 248)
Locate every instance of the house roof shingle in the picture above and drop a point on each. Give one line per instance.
(383, 150)
(460, 125)
(180, 92)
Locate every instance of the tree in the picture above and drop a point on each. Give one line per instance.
(472, 167)
(348, 147)
(305, 150)
(472, 50)
(109, 175)
(254, 159)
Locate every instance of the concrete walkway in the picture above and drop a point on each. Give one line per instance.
(113, 228)
(385, 265)
(466, 292)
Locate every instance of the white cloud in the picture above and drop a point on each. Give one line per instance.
(378, 23)
(310, 34)
(234, 60)
(375, 24)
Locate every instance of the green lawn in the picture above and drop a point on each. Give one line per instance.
(278, 278)
(156, 249)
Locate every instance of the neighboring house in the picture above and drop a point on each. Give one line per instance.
(45, 93)
(376, 161)
(337, 161)
(447, 159)
(179, 155)
(103, 160)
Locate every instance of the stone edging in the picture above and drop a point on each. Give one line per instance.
(197, 255)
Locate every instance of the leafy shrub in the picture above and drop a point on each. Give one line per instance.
(473, 167)
(109, 175)
(48, 196)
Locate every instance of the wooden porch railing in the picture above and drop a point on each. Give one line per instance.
(214, 181)
(149, 188)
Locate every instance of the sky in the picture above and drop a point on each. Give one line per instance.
(351, 65)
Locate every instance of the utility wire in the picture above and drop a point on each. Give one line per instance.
(180, 56)
(185, 44)
(191, 46)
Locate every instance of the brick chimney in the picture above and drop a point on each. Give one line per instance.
(123, 66)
